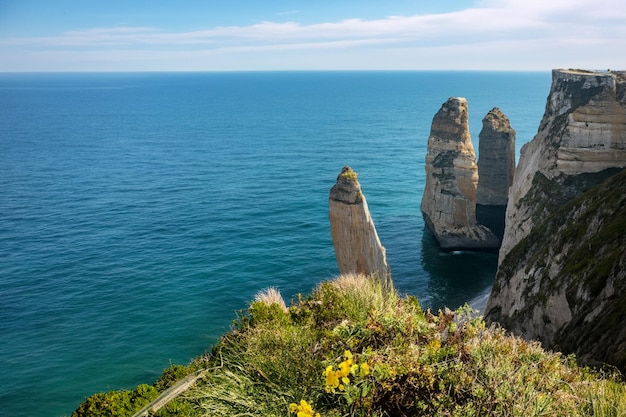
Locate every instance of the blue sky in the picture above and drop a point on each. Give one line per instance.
(193, 35)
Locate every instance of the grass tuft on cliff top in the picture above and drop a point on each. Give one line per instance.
(356, 348)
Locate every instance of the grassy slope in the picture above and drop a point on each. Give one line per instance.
(354, 349)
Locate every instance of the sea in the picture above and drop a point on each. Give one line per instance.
(141, 212)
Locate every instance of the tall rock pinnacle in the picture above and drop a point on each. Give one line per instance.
(449, 200)
(496, 162)
(357, 247)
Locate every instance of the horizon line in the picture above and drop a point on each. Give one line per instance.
(285, 70)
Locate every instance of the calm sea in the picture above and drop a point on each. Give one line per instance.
(139, 211)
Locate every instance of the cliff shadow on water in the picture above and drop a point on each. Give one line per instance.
(456, 277)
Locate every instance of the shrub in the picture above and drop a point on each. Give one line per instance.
(116, 403)
(355, 348)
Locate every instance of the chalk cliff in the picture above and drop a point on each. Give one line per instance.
(449, 200)
(583, 131)
(496, 161)
(357, 246)
(561, 267)
(564, 284)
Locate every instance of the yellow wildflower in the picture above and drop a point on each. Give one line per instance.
(340, 378)
(332, 379)
(303, 409)
(344, 367)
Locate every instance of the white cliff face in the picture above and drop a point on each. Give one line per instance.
(357, 246)
(563, 252)
(594, 139)
(583, 131)
(449, 200)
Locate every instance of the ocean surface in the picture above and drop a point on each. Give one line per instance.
(140, 211)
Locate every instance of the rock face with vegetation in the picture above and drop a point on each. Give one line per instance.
(569, 277)
(561, 275)
(357, 246)
(449, 200)
(496, 162)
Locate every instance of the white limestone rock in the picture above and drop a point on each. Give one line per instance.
(496, 161)
(449, 200)
(583, 131)
(357, 246)
(561, 276)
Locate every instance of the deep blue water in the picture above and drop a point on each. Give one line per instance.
(139, 211)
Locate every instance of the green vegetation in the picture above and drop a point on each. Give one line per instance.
(356, 348)
(117, 403)
(122, 403)
(348, 174)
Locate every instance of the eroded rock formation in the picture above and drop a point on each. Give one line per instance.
(583, 132)
(496, 161)
(449, 200)
(561, 267)
(357, 246)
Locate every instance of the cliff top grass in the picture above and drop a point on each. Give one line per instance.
(356, 348)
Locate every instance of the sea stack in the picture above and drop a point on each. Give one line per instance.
(357, 247)
(496, 159)
(449, 200)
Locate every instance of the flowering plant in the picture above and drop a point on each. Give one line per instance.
(338, 379)
(303, 409)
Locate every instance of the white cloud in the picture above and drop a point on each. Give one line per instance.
(526, 25)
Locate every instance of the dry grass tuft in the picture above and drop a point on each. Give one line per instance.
(351, 282)
(271, 296)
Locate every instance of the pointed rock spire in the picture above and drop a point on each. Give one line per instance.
(357, 247)
(496, 162)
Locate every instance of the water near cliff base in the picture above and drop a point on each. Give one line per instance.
(139, 211)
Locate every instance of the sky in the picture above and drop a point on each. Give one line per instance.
(251, 35)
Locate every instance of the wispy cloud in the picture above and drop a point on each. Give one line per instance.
(510, 18)
(525, 24)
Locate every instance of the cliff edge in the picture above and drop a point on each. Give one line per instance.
(582, 133)
(561, 276)
(565, 283)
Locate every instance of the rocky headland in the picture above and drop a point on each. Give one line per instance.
(449, 200)
(561, 277)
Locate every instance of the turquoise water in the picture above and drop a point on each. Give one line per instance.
(138, 212)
